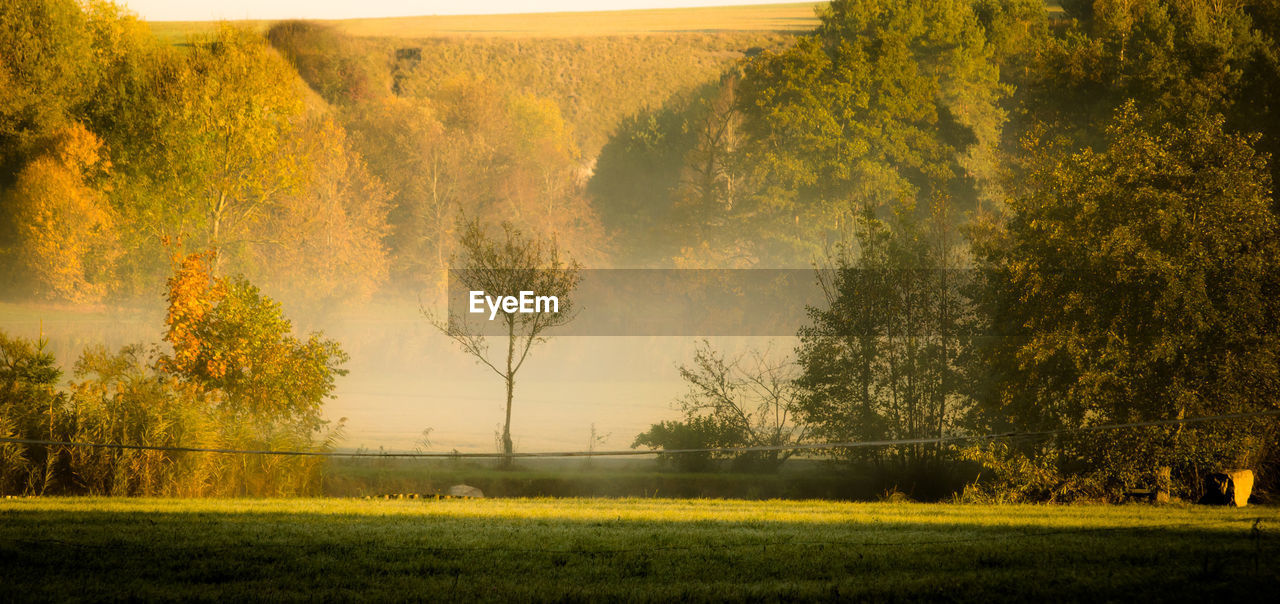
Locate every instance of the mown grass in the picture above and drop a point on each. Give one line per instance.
(764, 17)
(636, 549)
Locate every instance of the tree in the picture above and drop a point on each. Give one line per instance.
(880, 360)
(746, 401)
(635, 177)
(710, 181)
(47, 76)
(507, 265)
(133, 111)
(878, 107)
(668, 184)
(425, 170)
(1014, 29)
(235, 379)
(46, 73)
(696, 432)
(327, 236)
(228, 337)
(470, 146)
(541, 189)
(1177, 58)
(224, 139)
(65, 243)
(713, 183)
(1140, 276)
(330, 62)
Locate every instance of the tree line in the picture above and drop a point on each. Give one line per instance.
(324, 167)
(287, 154)
(1030, 224)
(119, 151)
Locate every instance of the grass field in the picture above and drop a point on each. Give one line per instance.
(637, 549)
(764, 17)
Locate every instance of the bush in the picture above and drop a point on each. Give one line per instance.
(693, 433)
(1107, 464)
(238, 379)
(1011, 475)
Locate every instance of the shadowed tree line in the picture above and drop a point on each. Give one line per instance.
(1032, 224)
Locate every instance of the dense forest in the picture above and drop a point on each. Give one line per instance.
(1028, 221)
(313, 162)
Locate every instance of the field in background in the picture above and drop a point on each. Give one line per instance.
(766, 17)
(638, 549)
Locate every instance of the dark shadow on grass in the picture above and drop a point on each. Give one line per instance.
(160, 555)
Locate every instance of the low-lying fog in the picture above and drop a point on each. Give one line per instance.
(406, 377)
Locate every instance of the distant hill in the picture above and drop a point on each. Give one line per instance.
(757, 18)
(598, 66)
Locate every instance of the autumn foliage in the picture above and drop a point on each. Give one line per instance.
(193, 292)
(65, 229)
(236, 378)
(228, 337)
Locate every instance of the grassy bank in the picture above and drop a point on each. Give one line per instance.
(798, 479)
(648, 549)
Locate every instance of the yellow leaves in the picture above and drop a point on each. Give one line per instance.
(232, 118)
(230, 339)
(78, 148)
(329, 234)
(216, 367)
(65, 227)
(540, 130)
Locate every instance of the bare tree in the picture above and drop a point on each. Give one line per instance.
(752, 395)
(504, 266)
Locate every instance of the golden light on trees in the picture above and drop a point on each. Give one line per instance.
(65, 228)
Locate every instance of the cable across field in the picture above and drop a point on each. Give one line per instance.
(633, 452)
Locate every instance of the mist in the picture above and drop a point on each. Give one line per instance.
(406, 377)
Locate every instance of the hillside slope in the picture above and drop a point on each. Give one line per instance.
(595, 81)
(598, 67)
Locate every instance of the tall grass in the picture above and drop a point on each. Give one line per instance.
(121, 399)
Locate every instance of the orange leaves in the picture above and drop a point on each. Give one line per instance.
(193, 292)
(229, 339)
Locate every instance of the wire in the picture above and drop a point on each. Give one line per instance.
(633, 452)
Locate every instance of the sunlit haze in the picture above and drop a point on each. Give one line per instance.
(639, 300)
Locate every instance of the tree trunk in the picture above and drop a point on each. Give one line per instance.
(511, 382)
(215, 240)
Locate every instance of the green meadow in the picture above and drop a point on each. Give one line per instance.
(628, 549)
